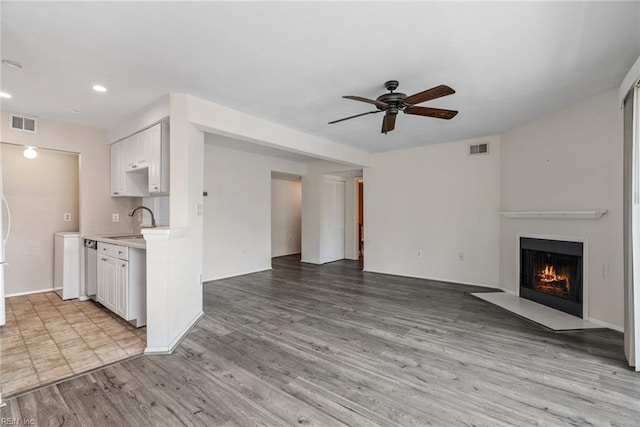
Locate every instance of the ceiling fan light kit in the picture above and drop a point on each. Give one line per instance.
(393, 102)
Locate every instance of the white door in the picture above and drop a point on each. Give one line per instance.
(332, 238)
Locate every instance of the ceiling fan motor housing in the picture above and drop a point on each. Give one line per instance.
(393, 99)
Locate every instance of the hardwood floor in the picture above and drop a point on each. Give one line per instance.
(331, 345)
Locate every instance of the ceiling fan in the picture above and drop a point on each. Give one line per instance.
(393, 102)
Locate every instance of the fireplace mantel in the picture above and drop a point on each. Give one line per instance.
(587, 214)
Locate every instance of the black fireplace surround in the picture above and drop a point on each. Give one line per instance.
(551, 273)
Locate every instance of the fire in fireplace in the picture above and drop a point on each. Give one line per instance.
(552, 283)
(551, 273)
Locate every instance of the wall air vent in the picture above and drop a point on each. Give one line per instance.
(475, 149)
(23, 123)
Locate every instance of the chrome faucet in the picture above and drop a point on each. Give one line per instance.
(153, 218)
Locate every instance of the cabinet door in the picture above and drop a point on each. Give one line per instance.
(106, 281)
(110, 285)
(115, 168)
(142, 149)
(130, 151)
(101, 280)
(122, 289)
(154, 144)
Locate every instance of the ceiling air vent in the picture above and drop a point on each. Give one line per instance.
(23, 123)
(475, 149)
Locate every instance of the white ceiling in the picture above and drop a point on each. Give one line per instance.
(291, 62)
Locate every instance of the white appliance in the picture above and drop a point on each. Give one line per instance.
(4, 241)
(66, 264)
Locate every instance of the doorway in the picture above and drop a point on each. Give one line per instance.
(286, 214)
(43, 197)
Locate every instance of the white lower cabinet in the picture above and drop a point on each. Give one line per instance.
(122, 281)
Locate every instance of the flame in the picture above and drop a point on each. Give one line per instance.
(550, 278)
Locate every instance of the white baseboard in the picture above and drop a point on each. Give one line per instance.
(311, 262)
(287, 254)
(39, 291)
(435, 279)
(606, 324)
(176, 341)
(236, 275)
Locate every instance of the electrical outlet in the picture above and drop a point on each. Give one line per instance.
(461, 256)
(115, 217)
(419, 254)
(67, 217)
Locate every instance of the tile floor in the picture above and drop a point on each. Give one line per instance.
(46, 339)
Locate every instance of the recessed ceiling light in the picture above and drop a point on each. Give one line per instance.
(11, 64)
(5, 95)
(99, 88)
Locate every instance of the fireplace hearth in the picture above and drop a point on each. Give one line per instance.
(551, 273)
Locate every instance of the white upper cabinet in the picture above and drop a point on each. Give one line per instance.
(138, 150)
(140, 163)
(158, 152)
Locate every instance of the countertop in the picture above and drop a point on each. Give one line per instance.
(139, 243)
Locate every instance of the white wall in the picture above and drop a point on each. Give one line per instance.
(174, 254)
(39, 193)
(237, 219)
(569, 160)
(438, 200)
(286, 217)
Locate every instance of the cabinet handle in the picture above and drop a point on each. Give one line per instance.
(120, 252)
(115, 192)
(104, 249)
(124, 265)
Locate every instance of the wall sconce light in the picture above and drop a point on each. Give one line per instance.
(30, 153)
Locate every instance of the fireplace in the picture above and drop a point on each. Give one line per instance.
(551, 273)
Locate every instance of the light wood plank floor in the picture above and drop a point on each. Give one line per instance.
(331, 345)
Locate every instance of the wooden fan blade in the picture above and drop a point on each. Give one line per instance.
(353, 117)
(438, 113)
(429, 94)
(389, 122)
(369, 101)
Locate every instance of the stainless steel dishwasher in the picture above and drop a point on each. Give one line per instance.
(90, 268)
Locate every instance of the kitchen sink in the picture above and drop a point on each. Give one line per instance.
(127, 237)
